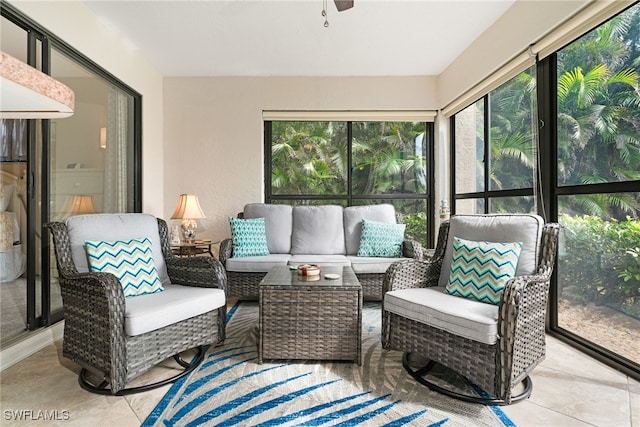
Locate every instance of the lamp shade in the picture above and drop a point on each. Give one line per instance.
(81, 205)
(188, 208)
(27, 93)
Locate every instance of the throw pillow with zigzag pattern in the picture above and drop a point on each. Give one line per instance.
(480, 270)
(131, 261)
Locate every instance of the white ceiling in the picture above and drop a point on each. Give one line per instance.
(288, 38)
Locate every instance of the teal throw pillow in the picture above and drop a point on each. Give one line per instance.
(381, 239)
(249, 237)
(480, 270)
(131, 261)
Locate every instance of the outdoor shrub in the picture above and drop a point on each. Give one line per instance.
(598, 262)
(416, 227)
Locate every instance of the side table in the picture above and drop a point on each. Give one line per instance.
(199, 247)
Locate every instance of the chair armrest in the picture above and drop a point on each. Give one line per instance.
(411, 273)
(90, 293)
(94, 310)
(521, 327)
(412, 249)
(226, 250)
(198, 271)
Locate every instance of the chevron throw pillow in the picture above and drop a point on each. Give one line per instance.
(131, 261)
(381, 239)
(249, 237)
(480, 270)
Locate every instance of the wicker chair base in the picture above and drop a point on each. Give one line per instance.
(420, 375)
(103, 388)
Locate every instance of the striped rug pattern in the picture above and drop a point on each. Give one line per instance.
(231, 389)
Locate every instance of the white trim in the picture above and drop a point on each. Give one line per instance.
(34, 342)
(584, 21)
(514, 67)
(574, 27)
(363, 116)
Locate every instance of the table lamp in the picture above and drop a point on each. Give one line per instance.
(188, 210)
(80, 205)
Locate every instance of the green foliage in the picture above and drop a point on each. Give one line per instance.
(416, 227)
(599, 114)
(598, 262)
(598, 111)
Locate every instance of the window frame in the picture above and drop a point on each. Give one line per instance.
(350, 198)
(547, 192)
(49, 41)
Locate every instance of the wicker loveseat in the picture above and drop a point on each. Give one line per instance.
(327, 235)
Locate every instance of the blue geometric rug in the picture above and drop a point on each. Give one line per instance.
(230, 388)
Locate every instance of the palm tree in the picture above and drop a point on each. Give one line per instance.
(599, 114)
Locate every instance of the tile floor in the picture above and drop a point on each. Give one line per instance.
(570, 389)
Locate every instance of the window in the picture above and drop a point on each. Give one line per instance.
(495, 150)
(597, 187)
(589, 178)
(353, 163)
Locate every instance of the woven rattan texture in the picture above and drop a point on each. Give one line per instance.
(321, 324)
(521, 322)
(471, 358)
(94, 309)
(244, 285)
(152, 348)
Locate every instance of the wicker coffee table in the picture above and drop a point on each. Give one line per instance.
(313, 320)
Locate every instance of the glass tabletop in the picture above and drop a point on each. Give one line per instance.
(284, 276)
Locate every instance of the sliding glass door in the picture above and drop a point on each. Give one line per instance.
(598, 188)
(84, 164)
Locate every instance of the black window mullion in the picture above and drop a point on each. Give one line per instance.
(452, 165)
(268, 132)
(547, 113)
(487, 156)
(45, 249)
(349, 163)
(33, 322)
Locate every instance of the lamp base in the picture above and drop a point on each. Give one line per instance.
(189, 227)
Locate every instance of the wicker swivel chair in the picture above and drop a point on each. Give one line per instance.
(492, 346)
(115, 339)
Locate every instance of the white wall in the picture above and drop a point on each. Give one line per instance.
(213, 133)
(75, 24)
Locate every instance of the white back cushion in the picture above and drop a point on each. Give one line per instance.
(353, 217)
(500, 228)
(111, 227)
(317, 230)
(278, 223)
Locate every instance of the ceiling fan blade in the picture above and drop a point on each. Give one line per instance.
(343, 4)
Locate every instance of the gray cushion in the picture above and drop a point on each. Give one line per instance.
(353, 216)
(278, 222)
(500, 229)
(317, 230)
(256, 264)
(433, 306)
(111, 227)
(371, 265)
(321, 260)
(149, 312)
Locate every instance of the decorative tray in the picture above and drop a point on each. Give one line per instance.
(308, 270)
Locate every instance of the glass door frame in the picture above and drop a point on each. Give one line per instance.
(48, 40)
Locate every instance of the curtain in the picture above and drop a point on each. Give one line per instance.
(115, 170)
